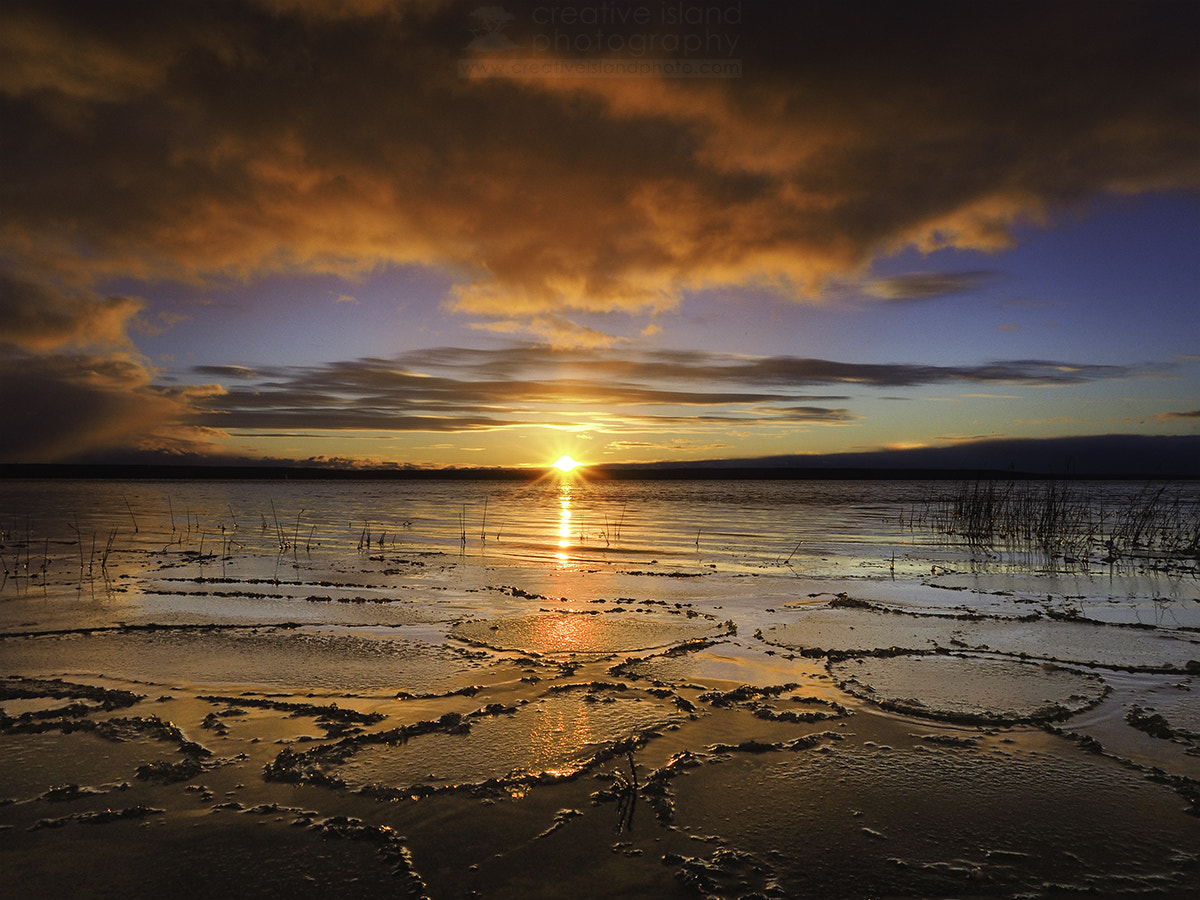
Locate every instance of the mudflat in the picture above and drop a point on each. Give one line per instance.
(417, 715)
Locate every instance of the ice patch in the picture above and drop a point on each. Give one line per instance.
(581, 633)
(970, 689)
(311, 659)
(867, 628)
(558, 734)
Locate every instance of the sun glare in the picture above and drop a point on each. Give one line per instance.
(565, 464)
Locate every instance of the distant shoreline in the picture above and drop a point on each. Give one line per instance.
(631, 472)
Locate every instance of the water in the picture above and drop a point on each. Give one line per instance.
(505, 650)
(546, 521)
(537, 520)
(363, 578)
(61, 535)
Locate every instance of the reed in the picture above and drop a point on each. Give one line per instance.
(108, 547)
(4, 538)
(131, 516)
(45, 561)
(78, 543)
(283, 543)
(1057, 520)
(781, 561)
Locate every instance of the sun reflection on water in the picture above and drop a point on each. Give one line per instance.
(559, 735)
(566, 632)
(564, 524)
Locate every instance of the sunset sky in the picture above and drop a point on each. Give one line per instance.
(452, 234)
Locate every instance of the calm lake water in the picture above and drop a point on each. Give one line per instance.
(550, 520)
(68, 539)
(894, 529)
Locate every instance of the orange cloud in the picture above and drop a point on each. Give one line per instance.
(1187, 414)
(556, 331)
(42, 317)
(286, 135)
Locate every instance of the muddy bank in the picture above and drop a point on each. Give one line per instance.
(537, 774)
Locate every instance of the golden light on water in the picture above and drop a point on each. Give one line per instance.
(568, 632)
(559, 734)
(564, 524)
(564, 520)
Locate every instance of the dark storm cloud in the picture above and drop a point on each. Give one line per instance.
(71, 383)
(71, 406)
(41, 316)
(194, 139)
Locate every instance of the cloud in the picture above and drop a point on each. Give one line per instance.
(61, 56)
(1189, 414)
(212, 145)
(169, 141)
(78, 407)
(158, 322)
(75, 405)
(225, 371)
(39, 316)
(72, 385)
(557, 331)
(461, 390)
(673, 446)
(926, 285)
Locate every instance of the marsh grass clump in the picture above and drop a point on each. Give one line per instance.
(1157, 528)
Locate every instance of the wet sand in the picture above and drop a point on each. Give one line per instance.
(396, 724)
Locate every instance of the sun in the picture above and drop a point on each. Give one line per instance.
(565, 464)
